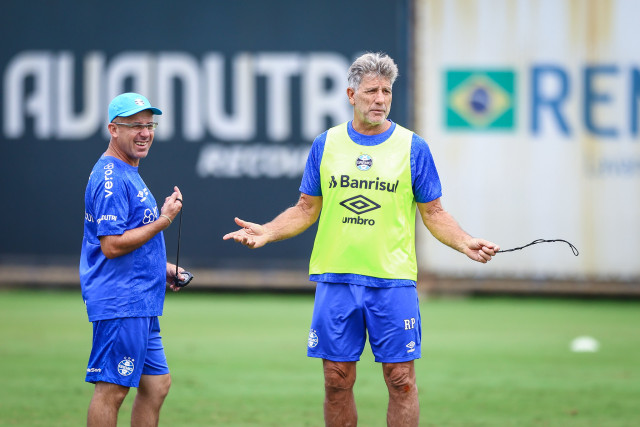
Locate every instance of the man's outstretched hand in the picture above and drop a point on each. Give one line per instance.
(251, 235)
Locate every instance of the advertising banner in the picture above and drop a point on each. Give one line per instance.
(245, 87)
(531, 112)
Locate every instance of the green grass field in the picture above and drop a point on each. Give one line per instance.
(240, 360)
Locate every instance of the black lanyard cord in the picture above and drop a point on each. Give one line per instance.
(189, 276)
(573, 248)
(179, 233)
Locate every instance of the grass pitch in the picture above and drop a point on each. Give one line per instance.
(240, 360)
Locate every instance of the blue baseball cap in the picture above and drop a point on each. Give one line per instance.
(128, 104)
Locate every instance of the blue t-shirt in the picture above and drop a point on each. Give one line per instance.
(424, 180)
(134, 284)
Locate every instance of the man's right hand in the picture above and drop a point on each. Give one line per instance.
(251, 235)
(172, 204)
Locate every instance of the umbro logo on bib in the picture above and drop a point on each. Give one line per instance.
(359, 204)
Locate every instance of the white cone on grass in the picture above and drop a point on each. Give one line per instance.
(585, 344)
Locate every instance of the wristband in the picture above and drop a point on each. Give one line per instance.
(168, 219)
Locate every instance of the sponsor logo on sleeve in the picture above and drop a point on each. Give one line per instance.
(107, 218)
(108, 180)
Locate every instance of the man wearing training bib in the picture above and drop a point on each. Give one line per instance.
(124, 270)
(367, 176)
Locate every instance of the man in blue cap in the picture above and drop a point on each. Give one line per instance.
(124, 270)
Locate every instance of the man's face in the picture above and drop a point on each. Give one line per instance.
(371, 102)
(130, 142)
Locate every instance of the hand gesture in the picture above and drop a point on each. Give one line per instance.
(251, 235)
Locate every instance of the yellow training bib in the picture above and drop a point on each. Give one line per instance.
(367, 223)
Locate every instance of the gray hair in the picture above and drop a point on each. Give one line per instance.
(378, 64)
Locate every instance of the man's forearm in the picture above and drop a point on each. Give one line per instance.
(117, 245)
(443, 226)
(447, 230)
(292, 221)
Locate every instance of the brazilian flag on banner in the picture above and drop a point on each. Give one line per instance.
(480, 99)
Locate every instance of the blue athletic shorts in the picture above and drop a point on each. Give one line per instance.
(124, 349)
(343, 314)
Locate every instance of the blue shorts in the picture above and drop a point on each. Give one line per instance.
(124, 349)
(343, 314)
